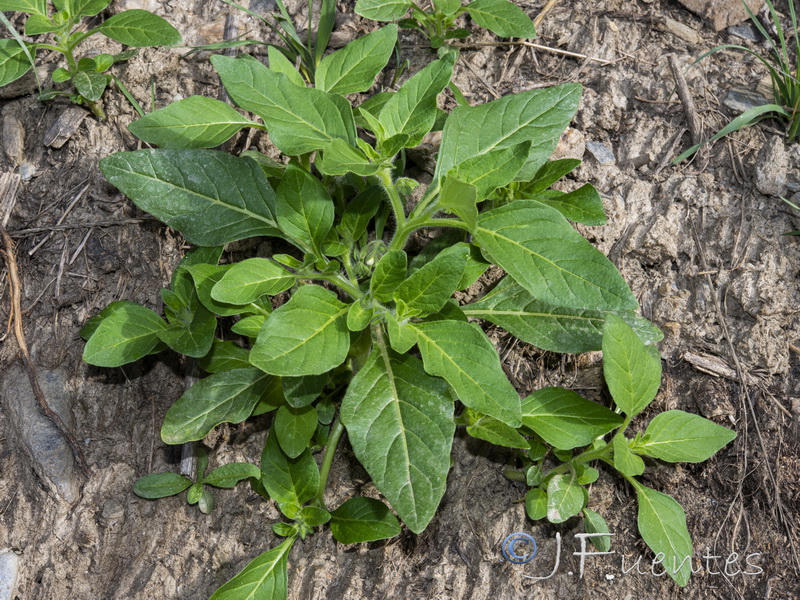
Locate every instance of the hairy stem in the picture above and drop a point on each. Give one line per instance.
(337, 429)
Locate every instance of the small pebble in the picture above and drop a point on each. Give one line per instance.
(9, 571)
(740, 100)
(601, 153)
(745, 31)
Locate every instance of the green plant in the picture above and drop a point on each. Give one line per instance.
(89, 76)
(501, 17)
(782, 64)
(322, 333)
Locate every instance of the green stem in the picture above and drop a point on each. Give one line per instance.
(337, 429)
(339, 281)
(385, 178)
(401, 235)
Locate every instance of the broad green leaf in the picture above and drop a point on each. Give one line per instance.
(586, 474)
(295, 427)
(460, 199)
(632, 374)
(389, 273)
(290, 481)
(226, 397)
(299, 120)
(427, 289)
(583, 205)
(662, 525)
(93, 323)
(565, 498)
(191, 326)
(128, 333)
(32, 7)
(87, 8)
(280, 64)
(493, 169)
(340, 158)
(566, 420)
(497, 433)
(402, 336)
(194, 122)
(211, 197)
(462, 354)
(302, 391)
(544, 254)
(549, 327)
(448, 7)
(536, 504)
(90, 84)
(13, 62)
(502, 17)
(677, 436)
(625, 461)
(363, 520)
(412, 110)
(313, 516)
(140, 28)
(400, 424)
(382, 10)
(537, 116)
(248, 280)
(354, 67)
(249, 326)
(594, 523)
(452, 240)
(160, 485)
(264, 578)
(306, 336)
(360, 315)
(224, 356)
(38, 24)
(304, 207)
(227, 476)
(205, 277)
(548, 174)
(358, 213)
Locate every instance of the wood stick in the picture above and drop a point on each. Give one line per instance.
(686, 100)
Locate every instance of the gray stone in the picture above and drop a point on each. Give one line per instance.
(9, 572)
(722, 13)
(602, 153)
(746, 31)
(739, 100)
(772, 163)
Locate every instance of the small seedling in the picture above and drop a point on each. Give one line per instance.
(89, 76)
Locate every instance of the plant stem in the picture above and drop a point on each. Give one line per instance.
(385, 178)
(337, 429)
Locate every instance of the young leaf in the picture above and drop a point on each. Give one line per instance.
(632, 374)
(565, 498)
(249, 326)
(427, 289)
(299, 120)
(389, 273)
(194, 122)
(565, 420)
(448, 7)
(400, 423)
(340, 158)
(360, 315)
(306, 336)
(402, 336)
(382, 10)
(548, 174)
(363, 520)
(462, 354)
(290, 481)
(544, 254)
(625, 461)
(140, 28)
(662, 525)
(13, 62)
(536, 504)
(126, 334)
(211, 197)
(594, 523)
(502, 17)
(677, 436)
(227, 476)
(248, 280)
(295, 427)
(38, 24)
(226, 397)
(493, 169)
(537, 116)
(90, 84)
(224, 356)
(549, 327)
(280, 64)
(460, 199)
(354, 67)
(358, 213)
(497, 433)
(304, 207)
(264, 577)
(583, 205)
(160, 485)
(87, 8)
(313, 516)
(302, 391)
(205, 277)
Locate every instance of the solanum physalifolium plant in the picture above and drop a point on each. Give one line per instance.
(89, 76)
(348, 329)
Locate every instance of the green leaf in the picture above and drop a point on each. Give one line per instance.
(389, 273)
(191, 326)
(313, 516)
(462, 354)
(160, 485)
(291, 482)
(498, 433)
(460, 199)
(299, 120)
(211, 197)
(363, 520)
(226, 397)
(354, 67)
(304, 207)
(140, 28)
(452, 240)
(662, 525)
(566, 420)
(359, 315)
(565, 498)
(548, 174)
(32, 7)
(125, 335)
(493, 169)
(677, 436)
(632, 374)
(248, 280)
(583, 205)
(87, 8)
(302, 391)
(194, 122)
(382, 10)
(401, 335)
(227, 476)
(425, 291)
(224, 356)
(400, 424)
(358, 213)
(295, 427)
(544, 254)
(205, 277)
(194, 494)
(412, 110)
(502, 18)
(265, 577)
(537, 116)
(306, 336)
(536, 504)
(90, 84)
(594, 523)
(549, 327)
(447, 7)
(38, 24)
(625, 461)
(280, 64)
(340, 158)
(13, 62)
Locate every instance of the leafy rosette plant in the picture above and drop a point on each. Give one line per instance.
(348, 329)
